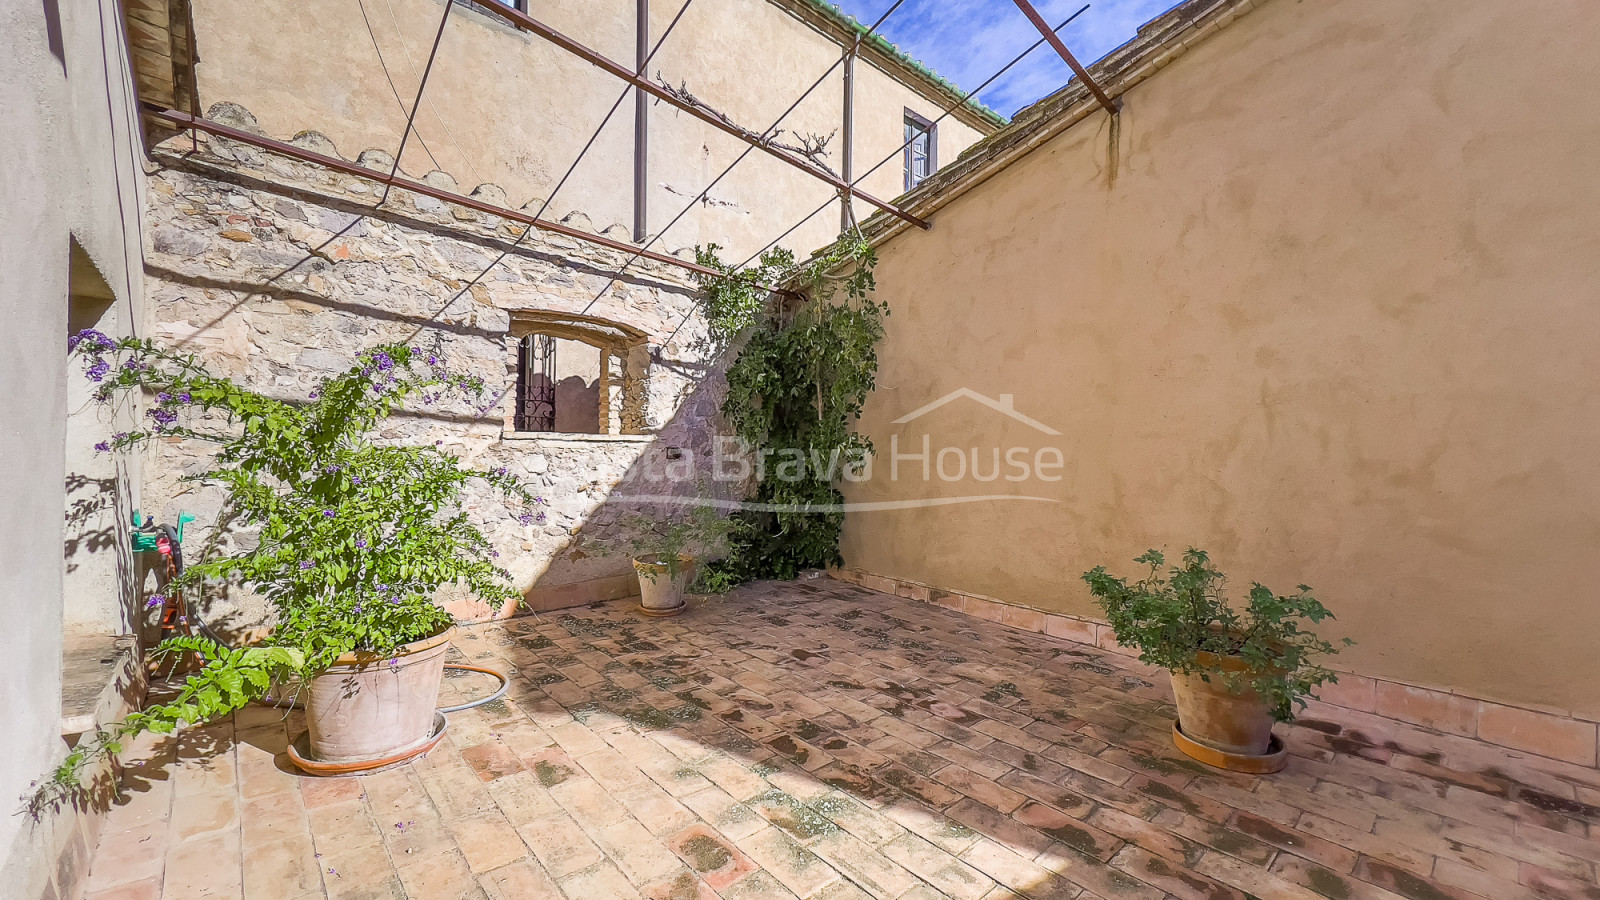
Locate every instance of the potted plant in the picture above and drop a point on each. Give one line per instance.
(665, 550)
(1233, 673)
(355, 537)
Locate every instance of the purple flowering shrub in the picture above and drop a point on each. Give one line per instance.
(355, 536)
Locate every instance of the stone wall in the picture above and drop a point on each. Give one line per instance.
(279, 273)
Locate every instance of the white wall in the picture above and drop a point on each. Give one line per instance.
(70, 173)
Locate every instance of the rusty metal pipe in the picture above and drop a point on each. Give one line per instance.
(184, 120)
(522, 20)
(1061, 49)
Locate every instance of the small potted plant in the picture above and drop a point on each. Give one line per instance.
(355, 537)
(1233, 673)
(665, 550)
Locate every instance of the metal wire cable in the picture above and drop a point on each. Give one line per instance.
(373, 35)
(901, 149)
(766, 135)
(566, 175)
(422, 85)
(431, 108)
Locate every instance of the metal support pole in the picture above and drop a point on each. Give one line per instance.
(848, 131)
(641, 129)
(1061, 49)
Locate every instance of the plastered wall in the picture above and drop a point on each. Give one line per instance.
(511, 109)
(1325, 305)
(71, 176)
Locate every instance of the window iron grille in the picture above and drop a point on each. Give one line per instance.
(536, 384)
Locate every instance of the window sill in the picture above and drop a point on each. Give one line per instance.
(565, 437)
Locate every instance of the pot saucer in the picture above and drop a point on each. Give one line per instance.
(300, 754)
(1276, 757)
(662, 613)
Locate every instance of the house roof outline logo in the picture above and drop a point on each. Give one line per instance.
(1004, 405)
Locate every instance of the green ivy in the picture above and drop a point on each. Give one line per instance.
(798, 384)
(1173, 616)
(355, 536)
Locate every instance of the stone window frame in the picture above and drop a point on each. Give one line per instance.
(624, 369)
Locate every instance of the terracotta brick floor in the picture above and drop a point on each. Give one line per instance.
(820, 740)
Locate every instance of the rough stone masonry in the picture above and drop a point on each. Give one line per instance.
(277, 273)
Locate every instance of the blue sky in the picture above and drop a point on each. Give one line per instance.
(967, 41)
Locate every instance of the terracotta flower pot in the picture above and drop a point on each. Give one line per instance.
(371, 706)
(660, 593)
(1211, 715)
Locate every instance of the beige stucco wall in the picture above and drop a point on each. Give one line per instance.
(1333, 319)
(70, 174)
(510, 109)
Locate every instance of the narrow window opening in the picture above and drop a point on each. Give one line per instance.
(558, 385)
(921, 153)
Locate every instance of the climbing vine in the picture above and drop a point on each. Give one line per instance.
(795, 391)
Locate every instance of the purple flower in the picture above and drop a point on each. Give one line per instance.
(99, 370)
(433, 360)
(164, 417)
(306, 564)
(495, 553)
(95, 340)
(500, 471)
(132, 365)
(329, 470)
(361, 543)
(163, 397)
(383, 361)
(185, 398)
(395, 600)
(314, 395)
(103, 446)
(155, 601)
(328, 514)
(525, 518)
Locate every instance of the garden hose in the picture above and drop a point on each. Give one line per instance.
(499, 692)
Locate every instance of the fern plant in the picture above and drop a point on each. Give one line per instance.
(356, 535)
(1177, 617)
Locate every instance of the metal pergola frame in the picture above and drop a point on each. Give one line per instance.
(520, 20)
(183, 121)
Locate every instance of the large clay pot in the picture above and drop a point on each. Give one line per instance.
(660, 593)
(373, 706)
(1210, 714)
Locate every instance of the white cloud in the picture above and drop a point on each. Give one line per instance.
(967, 41)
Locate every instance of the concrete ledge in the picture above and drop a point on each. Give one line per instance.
(1550, 733)
(103, 679)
